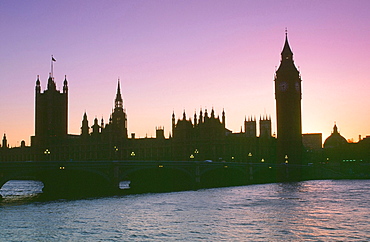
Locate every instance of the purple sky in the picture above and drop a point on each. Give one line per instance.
(176, 55)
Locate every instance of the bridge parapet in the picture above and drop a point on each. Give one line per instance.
(64, 177)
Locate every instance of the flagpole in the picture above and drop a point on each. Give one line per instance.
(52, 74)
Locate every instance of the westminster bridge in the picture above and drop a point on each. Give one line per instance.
(103, 177)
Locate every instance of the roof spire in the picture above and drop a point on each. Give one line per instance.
(118, 96)
(335, 128)
(118, 101)
(287, 52)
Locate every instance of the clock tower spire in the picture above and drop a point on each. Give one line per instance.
(288, 108)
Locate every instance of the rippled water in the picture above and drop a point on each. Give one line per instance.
(305, 211)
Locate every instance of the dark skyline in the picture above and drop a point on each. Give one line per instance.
(185, 52)
(204, 136)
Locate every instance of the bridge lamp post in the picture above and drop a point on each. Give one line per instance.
(47, 153)
(250, 155)
(192, 156)
(133, 155)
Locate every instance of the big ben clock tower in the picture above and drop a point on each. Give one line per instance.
(288, 97)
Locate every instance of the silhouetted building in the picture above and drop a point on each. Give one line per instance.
(335, 139)
(51, 112)
(288, 109)
(202, 137)
(312, 141)
(337, 149)
(312, 144)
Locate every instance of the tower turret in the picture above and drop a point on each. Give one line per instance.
(51, 83)
(65, 85)
(38, 86)
(5, 142)
(212, 113)
(173, 122)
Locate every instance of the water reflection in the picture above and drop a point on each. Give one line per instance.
(305, 211)
(20, 191)
(21, 188)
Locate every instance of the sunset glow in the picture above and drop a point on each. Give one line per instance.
(185, 55)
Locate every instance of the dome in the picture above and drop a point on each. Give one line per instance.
(335, 139)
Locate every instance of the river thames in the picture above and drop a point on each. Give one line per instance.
(324, 210)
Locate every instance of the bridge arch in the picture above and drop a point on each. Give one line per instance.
(159, 178)
(65, 180)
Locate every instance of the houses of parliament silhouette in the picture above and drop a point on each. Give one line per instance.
(201, 138)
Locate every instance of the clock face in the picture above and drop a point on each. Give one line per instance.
(283, 86)
(297, 86)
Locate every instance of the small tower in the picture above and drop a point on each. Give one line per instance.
(102, 124)
(265, 127)
(85, 130)
(250, 127)
(223, 118)
(95, 127)
(119, 117)
(159, 133)
(195, 119)
(201, 116)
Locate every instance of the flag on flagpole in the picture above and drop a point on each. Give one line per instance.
(53, 59)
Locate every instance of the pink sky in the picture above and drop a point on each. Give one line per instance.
(176, 55)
